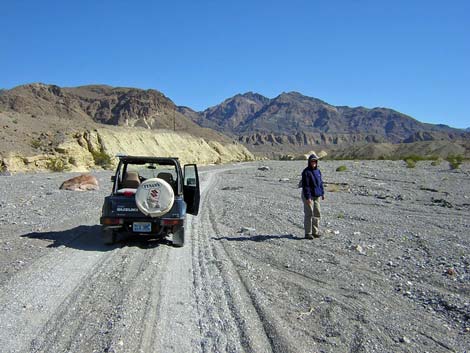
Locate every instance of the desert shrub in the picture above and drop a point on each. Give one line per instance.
(454, 161)
(57, 165)
(286, 157)
(415, 158)
(341, 168)
(340, 215)
(410, 163)
(102, 159)
(436, 162)
(35, 143)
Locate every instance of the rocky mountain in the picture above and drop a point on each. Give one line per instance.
(99, 103)
(46, 126)
(292, 118)
(231, 115)
(39, 118)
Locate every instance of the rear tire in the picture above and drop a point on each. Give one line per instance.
(178, 238)
(109, 236)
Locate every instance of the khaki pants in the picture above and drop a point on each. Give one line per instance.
(311, 215)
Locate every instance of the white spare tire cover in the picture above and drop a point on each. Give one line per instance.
(154, 197)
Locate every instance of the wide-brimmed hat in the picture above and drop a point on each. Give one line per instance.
(313, 157)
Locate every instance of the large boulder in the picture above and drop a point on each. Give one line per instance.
(81, 183)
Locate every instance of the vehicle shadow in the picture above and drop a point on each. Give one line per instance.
(259, 237)
(142, 243)
(89, 238)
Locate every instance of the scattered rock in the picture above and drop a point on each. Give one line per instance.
(264, 168)
(359, 249)
(283, 180)
(232, 188)
(248, 230)
(451, 272)
(405, 339)
(442, 203)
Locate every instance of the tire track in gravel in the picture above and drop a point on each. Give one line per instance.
(271, 327)
(137, 300)
(87, 297)
(348, 315)
(85, 320)
(228, 320)
(29, 298)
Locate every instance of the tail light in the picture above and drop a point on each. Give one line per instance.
(111, 221)
(171, 222)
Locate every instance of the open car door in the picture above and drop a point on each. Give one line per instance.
(191, 189)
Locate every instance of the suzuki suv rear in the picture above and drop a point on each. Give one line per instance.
(150, 198)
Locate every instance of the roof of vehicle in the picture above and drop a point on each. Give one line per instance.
(145, 159)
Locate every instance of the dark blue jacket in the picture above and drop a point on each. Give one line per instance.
(312, 183)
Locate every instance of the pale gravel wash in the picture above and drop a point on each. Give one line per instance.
(377, 281)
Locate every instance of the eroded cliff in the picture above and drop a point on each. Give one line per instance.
(97, 148)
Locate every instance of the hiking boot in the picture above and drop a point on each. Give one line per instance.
(318, 235)
(308, 236)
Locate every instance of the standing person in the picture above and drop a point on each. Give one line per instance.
(312, 190)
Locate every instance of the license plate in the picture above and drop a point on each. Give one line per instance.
(142, 227)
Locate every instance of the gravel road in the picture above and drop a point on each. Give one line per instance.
(390, 274)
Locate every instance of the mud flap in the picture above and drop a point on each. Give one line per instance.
(178, 238)
(109, 236)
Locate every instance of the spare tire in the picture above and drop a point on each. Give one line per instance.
(154, 197)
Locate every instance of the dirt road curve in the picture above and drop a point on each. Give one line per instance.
(378, 281)
(137, 296)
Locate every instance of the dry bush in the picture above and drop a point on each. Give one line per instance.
(57, 165)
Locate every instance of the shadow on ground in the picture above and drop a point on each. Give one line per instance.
(89, 238)
(259, 238)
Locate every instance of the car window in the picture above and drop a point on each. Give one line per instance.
(151, 170)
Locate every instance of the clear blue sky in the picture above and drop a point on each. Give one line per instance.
(412, 56)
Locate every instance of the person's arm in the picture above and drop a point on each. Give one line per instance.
(321, 186)
(306, 186)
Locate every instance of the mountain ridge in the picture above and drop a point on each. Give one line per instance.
(260, 123)
(289, 114)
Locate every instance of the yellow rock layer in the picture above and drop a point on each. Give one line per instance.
(80, 152)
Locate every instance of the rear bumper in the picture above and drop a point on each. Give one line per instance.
(158, 225)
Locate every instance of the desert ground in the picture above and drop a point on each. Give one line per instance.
(391, 272)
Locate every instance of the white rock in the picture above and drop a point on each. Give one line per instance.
(359, 249)
(247, 230)
(405, 339)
